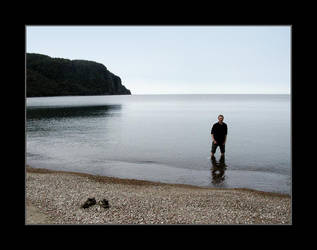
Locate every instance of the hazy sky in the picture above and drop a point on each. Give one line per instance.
(177, 59)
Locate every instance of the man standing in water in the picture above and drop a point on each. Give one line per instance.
(219, 136)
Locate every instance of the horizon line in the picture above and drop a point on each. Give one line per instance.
(212, 94)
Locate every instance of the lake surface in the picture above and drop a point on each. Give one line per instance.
(164, 138)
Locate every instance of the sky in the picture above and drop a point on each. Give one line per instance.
(177, 59)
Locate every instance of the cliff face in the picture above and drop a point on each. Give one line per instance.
(48, 76)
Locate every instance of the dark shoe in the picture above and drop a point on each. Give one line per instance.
(89, 202)
(104, 203)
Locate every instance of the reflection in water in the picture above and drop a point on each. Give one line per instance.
(218, 170)
(156, 128)
(72, 111)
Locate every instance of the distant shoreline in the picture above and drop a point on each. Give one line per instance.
(276, 94)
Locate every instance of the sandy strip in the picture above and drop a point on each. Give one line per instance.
(55, 197)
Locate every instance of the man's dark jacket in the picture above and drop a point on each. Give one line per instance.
(219, 131)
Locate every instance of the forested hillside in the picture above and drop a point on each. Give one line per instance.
(48, 76)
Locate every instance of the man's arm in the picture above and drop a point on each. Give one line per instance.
(213, 139)
(212, 134)
(225, 135)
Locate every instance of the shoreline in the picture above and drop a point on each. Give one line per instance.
(54, 197)
(117, 180)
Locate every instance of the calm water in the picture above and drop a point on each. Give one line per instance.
(164, 138)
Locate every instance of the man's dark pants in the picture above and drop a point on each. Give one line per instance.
(214, 147)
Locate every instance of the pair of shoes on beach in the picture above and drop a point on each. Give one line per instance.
(92, 201)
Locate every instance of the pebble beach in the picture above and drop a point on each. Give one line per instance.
(55, 197)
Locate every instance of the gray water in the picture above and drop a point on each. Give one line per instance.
(164, 138)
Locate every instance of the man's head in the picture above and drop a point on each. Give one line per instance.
(220, 118)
